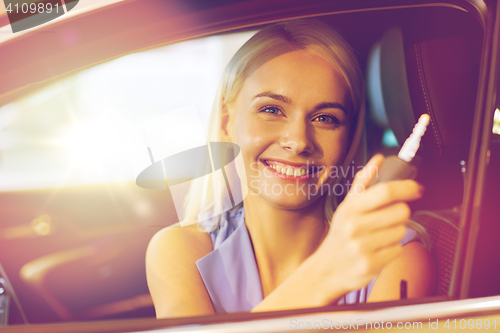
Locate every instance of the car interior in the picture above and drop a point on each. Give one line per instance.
(74, 251)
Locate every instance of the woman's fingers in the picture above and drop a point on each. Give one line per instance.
(382, 238)
(383, 194)
(368, 244)
(394, 191)
(365, 267)
(379, 220)
(386, 217)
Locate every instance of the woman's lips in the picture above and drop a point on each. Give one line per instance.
(292, 173)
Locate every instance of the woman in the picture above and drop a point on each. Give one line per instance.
(292, 99)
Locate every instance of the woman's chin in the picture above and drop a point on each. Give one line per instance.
(291, 202)
(286, 197)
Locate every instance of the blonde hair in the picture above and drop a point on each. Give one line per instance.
(311, 36)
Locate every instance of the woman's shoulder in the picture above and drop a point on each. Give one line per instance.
(171, 270)
(187, 240)
(173, 280)
(192, 241)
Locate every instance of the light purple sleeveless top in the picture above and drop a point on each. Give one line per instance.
(230, 271)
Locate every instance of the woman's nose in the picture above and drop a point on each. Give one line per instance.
(296, 137)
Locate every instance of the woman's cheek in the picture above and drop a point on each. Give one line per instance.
(252, 133)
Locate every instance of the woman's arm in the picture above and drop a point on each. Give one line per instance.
(175, 285)
(306, 287)
(416, 266)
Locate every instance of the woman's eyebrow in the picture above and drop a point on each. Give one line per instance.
(329, 105)
(278, 97)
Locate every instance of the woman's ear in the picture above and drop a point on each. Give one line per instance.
(225, 122)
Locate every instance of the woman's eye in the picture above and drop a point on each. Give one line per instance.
(271, 110)
(327, 119)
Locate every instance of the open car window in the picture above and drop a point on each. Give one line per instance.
(77, 131)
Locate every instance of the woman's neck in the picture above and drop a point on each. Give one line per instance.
(282, 239)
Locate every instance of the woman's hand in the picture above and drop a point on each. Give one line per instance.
(366, 230)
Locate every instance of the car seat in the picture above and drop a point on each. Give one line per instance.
(431, 68)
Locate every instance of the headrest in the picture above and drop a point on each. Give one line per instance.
(432, 68)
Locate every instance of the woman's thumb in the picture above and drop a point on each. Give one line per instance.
(365, 176)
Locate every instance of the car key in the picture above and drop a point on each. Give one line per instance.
(399, 167)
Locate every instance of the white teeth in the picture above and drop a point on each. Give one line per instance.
(290, 170)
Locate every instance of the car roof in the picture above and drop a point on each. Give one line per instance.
(108, 29)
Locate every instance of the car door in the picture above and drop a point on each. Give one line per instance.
(477, 269)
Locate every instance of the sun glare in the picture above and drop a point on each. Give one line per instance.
(92, 145)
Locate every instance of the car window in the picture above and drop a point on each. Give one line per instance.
(68, 176)
(77, 131)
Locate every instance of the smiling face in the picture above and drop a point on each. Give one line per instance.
(291, 121)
